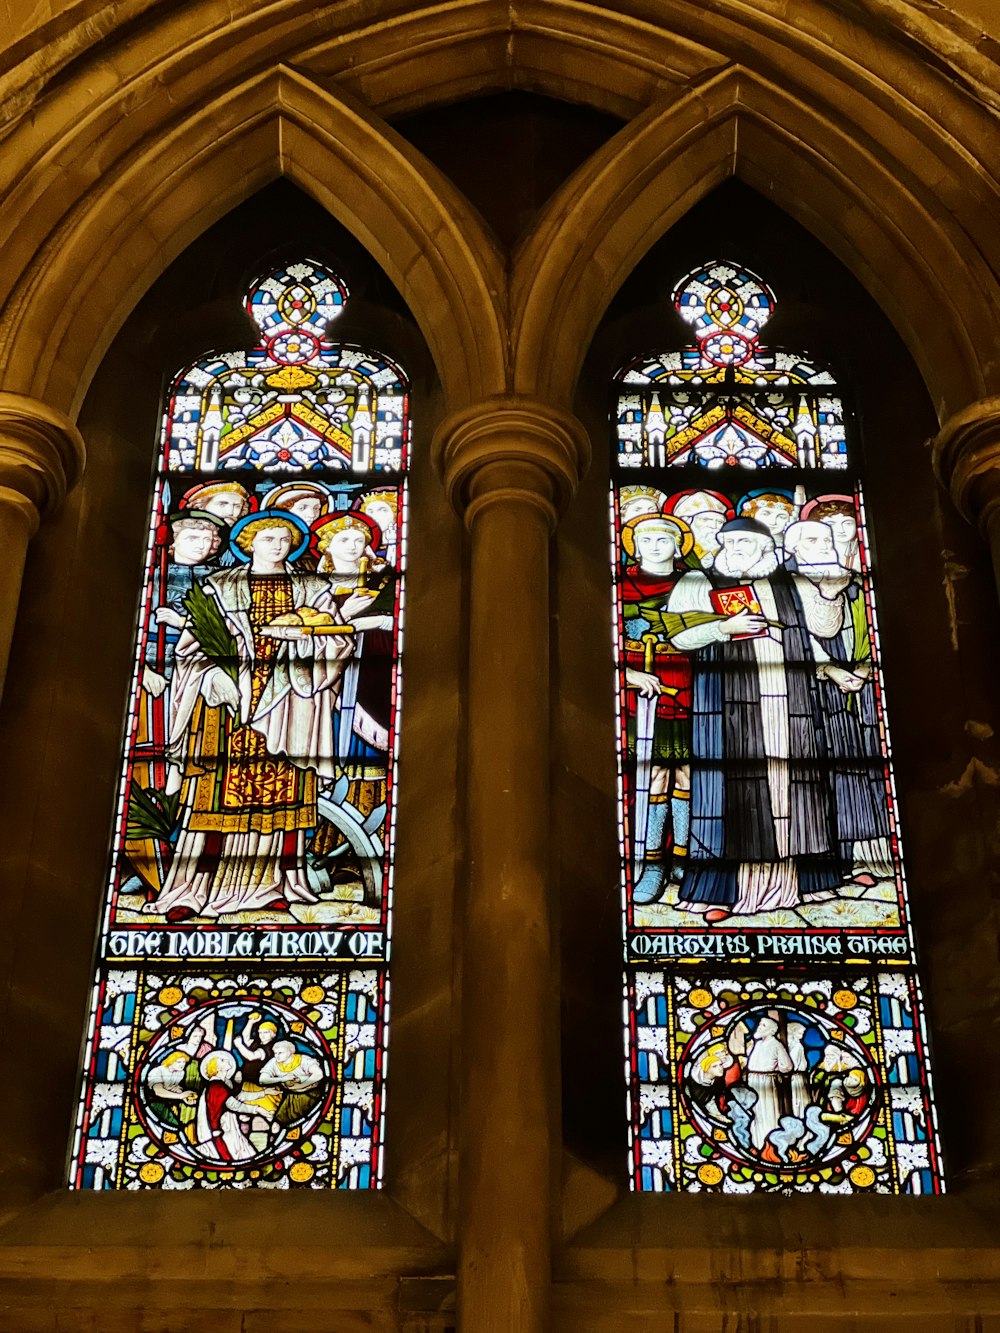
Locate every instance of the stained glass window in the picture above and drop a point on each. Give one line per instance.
(775, 1031)
(237, 1036)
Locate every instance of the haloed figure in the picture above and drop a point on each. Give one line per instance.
(382, 508)
(195, 536)
(704, 512)
(227, 501)
(634, 501)
(308, 501)
(249, 714)
(839, 513)
(657, 704)
(775, 510)
(363, 586)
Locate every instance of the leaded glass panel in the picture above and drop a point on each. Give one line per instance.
(776, 1036)
(238, 1029)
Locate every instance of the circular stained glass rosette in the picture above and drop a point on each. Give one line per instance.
(727, 306)
(727, 349)
(780, 1087)
(293, 348)
(303, 295)
(233, 1084)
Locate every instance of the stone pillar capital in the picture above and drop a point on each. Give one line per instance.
(511, 449)
(41, 453)
(41, 457)
(966, 452)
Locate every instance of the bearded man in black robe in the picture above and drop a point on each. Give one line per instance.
(763, 823)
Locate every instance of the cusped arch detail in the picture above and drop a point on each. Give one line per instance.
(917, 262)
(127, 227)
(886, 166)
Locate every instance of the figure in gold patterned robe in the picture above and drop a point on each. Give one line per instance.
(250, 752)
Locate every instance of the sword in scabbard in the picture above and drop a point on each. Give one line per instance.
(645, 724)
(645, 721)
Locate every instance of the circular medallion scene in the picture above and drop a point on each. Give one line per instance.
(234, 1083)
(779, 1086)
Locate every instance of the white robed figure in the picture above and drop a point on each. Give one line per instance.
(218, 1131)
(767, 1065)
(801, 1100)
(845, 667)
(253, 725)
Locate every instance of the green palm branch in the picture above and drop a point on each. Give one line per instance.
(208, 625)
(151, 813)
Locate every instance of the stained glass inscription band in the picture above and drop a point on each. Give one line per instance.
(780, 1043)
(238, 1030)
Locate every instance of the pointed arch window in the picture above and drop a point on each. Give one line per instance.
(774, 1026)
(237, 1034)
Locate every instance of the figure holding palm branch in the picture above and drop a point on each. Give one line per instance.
(252, 726)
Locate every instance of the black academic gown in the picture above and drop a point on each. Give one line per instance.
(731, 819)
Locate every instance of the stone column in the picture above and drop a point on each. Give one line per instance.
(41, 458)
(509, 467)
(967, 460)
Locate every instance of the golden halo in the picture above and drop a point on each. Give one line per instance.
(325, 528)
(278, 518)
(683, 531)
(282, 495)
(207, 489)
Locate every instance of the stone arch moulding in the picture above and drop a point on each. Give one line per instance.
(895, 77)
(132, 222)
(598, 54)
(920, 266)
(156, 152)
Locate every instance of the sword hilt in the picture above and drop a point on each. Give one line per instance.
(650, 640)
